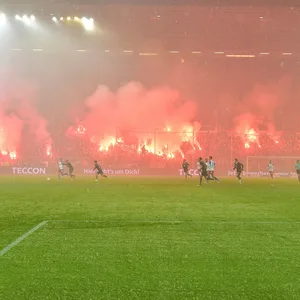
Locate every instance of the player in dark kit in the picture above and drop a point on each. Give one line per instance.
(202, 170)
(298, 169)
(185, 167)
(99, 171)
(71, 169)
(239, 167)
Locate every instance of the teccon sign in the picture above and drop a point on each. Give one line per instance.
(192, 172)
(29, 171)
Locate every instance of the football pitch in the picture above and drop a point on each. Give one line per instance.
(149, 238)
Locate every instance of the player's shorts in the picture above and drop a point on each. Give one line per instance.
(211, 173)
(238, 173)
(71, 171)
(186, 171)
(204, 173)
(298, 172)
(99, 172)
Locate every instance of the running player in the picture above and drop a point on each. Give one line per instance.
(71, 169)
(211, 169)
(298, 169)
(99, 171)
(207, 169)
(202, 169)
(271, 168)
(185, 167)
(61, 169)
(239, 167)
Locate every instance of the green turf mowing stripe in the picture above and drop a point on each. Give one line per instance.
(179, 222)
(21, 238)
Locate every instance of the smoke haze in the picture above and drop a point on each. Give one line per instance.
(17, 112)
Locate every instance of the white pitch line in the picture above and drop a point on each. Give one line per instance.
(21, 238)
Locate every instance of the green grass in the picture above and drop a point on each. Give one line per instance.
(157, 238)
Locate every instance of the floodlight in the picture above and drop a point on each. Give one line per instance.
(2, 18)
(25, 19)
(87, 24)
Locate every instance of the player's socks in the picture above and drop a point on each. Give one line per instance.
(216, 179)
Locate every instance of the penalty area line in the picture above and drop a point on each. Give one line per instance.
(22, 237)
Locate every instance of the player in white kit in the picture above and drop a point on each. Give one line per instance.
(271, 168)
(61, 169)
(211, 169)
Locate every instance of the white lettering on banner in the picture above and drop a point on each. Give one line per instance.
(114, 171)
(263, 174)
(29, 171)
(192, 172)
(88, 171)
(132, 172)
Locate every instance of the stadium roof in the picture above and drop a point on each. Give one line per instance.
(240, 3)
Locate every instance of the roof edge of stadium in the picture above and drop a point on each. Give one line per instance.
(210, 3)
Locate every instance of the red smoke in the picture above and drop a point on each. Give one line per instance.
(136, 113)
(158, 118)
(17, 109)
(10, 133)
(258, 109)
